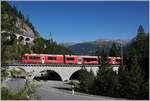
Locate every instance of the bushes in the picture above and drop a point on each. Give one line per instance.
(7, 94)
(86, 80)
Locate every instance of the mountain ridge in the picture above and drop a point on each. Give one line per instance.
(87, 48)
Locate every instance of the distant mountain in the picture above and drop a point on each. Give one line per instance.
(67, 44)
(88, 48)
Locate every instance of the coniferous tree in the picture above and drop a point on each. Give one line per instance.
(83, 79)
(86, 80)
(123, 80)
(141, 45)
(136, 78)
(140, 33)
(114, 51)
(100, 77)
(146, 58)
(91, 80)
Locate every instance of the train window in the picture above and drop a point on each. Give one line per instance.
(90, 59)
(71, 59)
(34, 58)
(51, 58)
(25, 57)
(118, 60)
(109, 59)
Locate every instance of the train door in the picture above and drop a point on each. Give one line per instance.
(43, 59)
(79, 60)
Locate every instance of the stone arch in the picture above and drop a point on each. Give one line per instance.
(13, 36)
(54, 74)
(75, 75)
(20, 38)
(27, 39)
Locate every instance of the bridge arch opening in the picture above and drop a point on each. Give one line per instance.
(48, 75)
(13, 36)
(21, 38)
(27, 39)
(76, 75)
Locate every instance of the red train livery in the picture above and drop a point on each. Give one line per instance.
(66, 59)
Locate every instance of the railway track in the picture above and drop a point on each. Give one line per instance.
(55, 65)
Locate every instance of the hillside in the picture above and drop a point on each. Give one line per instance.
(88, 48)
(15, 22)
(19, 36)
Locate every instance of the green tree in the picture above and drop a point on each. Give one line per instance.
(141, 45)
(123, 80)
(140, 33)
(114, 51)
(100, 77)
(86, 80)
(136, 78)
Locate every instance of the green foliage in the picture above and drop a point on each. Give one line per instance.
(114, 51)
(86, 80)
(4, 73)
(136, 79)
(106, 81)
(141, 45)
(12, 49)
(48, 47)
(123, 81)
(6, 93)
(9, 16)
(8, 21)
(132, 79)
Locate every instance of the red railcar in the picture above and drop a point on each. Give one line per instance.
(118, 60)
(111, 60)
(54, 59)
(71, 59)
(89, 59)
(67, 59)
(114, 60)
(42, 58)
(32, 58)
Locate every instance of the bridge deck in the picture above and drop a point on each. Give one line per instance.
(56, 65)
(53, 65)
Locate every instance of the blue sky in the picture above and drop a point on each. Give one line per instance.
(86, 21)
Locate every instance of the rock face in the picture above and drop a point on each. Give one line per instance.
(24, 29)
(14, 23)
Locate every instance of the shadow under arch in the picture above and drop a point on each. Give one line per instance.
(76, 74)
(48, 75)
(27, 39)
(20, 38)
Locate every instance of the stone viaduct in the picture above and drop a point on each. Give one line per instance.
(65, 72)
(24, 37)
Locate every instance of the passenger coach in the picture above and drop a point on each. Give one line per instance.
(66, 59)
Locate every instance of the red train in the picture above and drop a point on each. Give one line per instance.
(67, 59)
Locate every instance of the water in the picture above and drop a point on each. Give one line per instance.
(16, 84)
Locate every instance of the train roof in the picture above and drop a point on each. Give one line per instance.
(87, 56)
(66, 55)
(45, 54)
